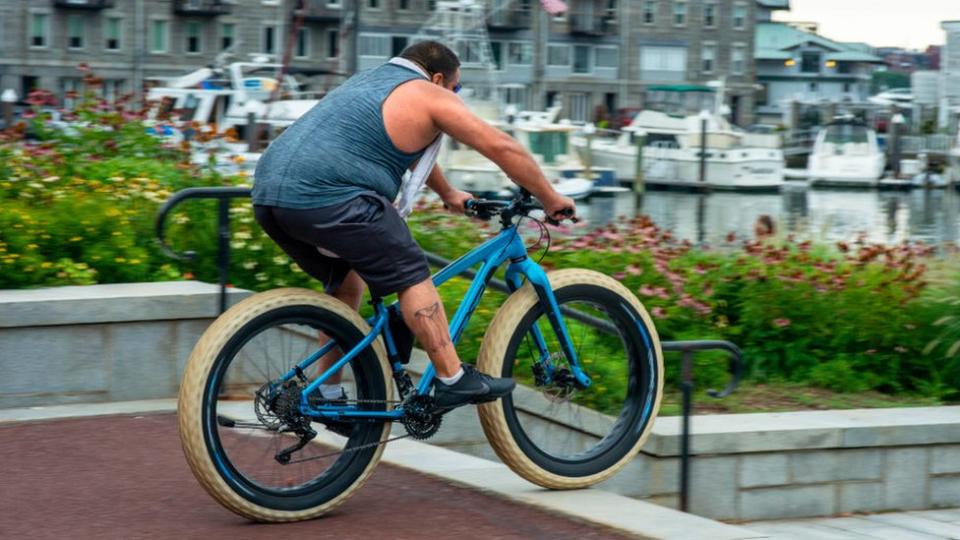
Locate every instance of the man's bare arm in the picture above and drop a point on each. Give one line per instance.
(438, 183)
(452, 117)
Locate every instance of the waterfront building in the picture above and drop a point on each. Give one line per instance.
(794, 64)
(600, 55)
(950, 75)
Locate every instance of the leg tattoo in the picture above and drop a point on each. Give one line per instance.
(431, 320)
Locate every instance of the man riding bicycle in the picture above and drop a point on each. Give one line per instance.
(324, 191)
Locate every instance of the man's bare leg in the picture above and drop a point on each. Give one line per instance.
(350, 293)
(423, 312)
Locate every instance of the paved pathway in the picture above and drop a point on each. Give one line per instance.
(920, 525)
(126, 477)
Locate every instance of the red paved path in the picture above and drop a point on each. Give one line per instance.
(125, 477)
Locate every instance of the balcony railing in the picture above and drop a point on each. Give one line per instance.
(322, 11)
(511, 19)
(593, 23)
(205, 8)
(84, 4)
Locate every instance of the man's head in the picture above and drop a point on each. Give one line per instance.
(440, 63)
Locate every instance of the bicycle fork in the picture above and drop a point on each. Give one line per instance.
(545, 369)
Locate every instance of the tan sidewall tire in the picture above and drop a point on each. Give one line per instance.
(492, 354)
(189, 405)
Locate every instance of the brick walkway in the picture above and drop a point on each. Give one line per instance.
(126, 477)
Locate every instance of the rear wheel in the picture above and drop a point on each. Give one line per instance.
(550, 431)
(236, 416)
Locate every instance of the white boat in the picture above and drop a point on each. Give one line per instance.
(735, 160)
(224, 96)
(846, 153)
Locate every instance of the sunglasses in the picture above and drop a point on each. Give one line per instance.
(456, 89)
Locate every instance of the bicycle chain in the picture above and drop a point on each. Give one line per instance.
(362, 446)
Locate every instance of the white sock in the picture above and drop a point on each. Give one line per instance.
(331, 391)
(451, 380)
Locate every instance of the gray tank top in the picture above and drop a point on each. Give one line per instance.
(338, 149)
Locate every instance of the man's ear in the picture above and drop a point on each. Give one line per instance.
(436, 78)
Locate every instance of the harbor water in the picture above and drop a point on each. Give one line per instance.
(827, 215)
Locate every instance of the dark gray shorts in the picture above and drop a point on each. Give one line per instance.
(366, 232)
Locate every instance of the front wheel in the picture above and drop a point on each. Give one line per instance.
(549, 431)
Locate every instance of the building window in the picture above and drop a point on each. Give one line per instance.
(813, 87)
(579, 107)
(39, 29)
(112, 89)
(75, 31)
(404, 5)
(468, 52)
(607, 57)
(70, 90)
(398, 44)
(581, 58)
(268, 43)
(738, 58)
(663, 63)
(227, 31)
(679, 13)
(303, 43)
(373, 4)
(649, 12)
(158, 36)
(844, 67)
(810, 62)
(111, 33)
(520, 53)
(431, 5)
(739, 16)
(333, 44)
(496, 49)
(709, 57)
(710, 15)
(191, 31)
(558, 55)
(847, 87)
(374, 45)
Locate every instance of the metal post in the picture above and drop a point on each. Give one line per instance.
(252, 132)
(686, 385)
(703, 147)
(896, 133)
(640, 138)
(589, 130)
(223, 254)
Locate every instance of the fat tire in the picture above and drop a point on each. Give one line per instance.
(491, 360)
(199, 368)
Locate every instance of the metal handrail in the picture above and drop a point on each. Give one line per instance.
(224, 195)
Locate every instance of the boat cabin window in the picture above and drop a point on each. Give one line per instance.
(847, 133)
(189, 109)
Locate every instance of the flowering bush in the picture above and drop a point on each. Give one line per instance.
(77, 206)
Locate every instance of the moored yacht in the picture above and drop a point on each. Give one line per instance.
(846, 153)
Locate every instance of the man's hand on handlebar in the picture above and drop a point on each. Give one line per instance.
(454, 200)
(559, 208)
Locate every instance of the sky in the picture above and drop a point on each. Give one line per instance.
(912, 24)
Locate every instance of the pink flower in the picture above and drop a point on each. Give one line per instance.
(658, 312)
(782, 323)
(619, 276)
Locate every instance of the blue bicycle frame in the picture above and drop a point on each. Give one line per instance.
(506, 246)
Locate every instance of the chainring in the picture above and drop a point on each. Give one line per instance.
(419, 419)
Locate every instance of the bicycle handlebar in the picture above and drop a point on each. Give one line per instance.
(520, 205)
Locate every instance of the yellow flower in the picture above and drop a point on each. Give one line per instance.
(76, 239)
(119, 259)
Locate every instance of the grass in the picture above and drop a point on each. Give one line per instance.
(782, 397)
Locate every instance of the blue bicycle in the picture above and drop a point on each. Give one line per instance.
(261, 441)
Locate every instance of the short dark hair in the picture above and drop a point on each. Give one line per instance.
(433, 56)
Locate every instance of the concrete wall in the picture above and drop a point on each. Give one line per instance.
(102, 342)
